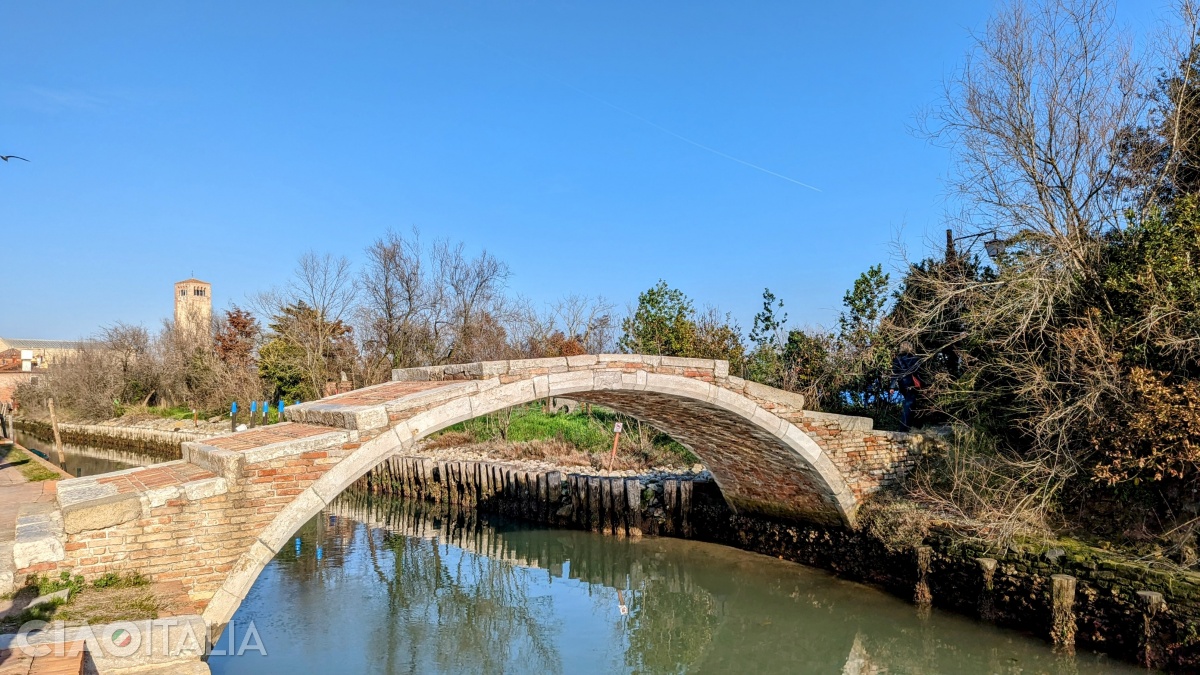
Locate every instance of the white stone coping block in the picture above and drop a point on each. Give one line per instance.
(333, 414)
(695, 364)
(193, 491)
(441, 394)
(102, 512)
(421, 374)
(556, 364)
(844, 422)
(228, 464)
(297, 446)
(39, 536)
(778, 396)
(231, 464)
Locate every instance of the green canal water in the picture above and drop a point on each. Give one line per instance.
(383, 586)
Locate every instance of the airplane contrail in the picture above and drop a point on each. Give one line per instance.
(685, 139)
(661, 128)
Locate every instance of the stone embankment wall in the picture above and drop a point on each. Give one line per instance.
(1067, 596)
(164, 443)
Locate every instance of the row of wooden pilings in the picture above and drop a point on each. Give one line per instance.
(1062, 605)
(618, 505)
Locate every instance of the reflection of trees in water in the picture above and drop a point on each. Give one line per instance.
(459, 610)
(671, 624)
(483, 602)
(466, 593)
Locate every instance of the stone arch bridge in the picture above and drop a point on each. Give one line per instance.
(214, 519)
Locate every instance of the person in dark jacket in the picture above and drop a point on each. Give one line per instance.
(905, 380)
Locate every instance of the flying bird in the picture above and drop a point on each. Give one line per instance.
(8, 157)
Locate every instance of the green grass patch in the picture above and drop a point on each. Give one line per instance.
(32, 471)
(590, 431)
(114, 580)
(112, 597)
(48, 585)
(178, 412)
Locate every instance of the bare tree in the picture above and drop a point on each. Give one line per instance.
(127, 342)
(434, 305)
(312, 313)
(397, 300)
(590, 320)
(1035, 118)
(472, 297)
(1160, 160)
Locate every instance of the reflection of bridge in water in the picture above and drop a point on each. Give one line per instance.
(731, 609)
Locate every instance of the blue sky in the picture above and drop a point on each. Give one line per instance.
(223, 139)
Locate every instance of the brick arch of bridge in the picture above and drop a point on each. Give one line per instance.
(213, 520)
(764, 464)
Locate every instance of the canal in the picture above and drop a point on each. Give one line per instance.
(376, 585)
(383, 586)
(86, 460)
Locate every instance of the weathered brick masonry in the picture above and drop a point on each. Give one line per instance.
(214, 519)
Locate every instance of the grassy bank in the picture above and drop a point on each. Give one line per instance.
(30, 469)
(583, 436)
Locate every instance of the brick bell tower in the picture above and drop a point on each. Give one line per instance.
(193, 306)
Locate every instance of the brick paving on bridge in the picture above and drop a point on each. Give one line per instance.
(385, 393)
(155, 476)
(275, 433)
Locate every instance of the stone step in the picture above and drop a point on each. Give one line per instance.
(39, 536)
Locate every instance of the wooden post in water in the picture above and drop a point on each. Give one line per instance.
(58, 446)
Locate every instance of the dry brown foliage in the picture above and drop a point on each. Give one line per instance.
(985, 492)
(1155, 436)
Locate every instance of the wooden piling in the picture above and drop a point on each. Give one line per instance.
(58, 446)
(921, 594)
(986, 602)
(1150, 649)
(1062, 611)
(671, 506)
(633, 502)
